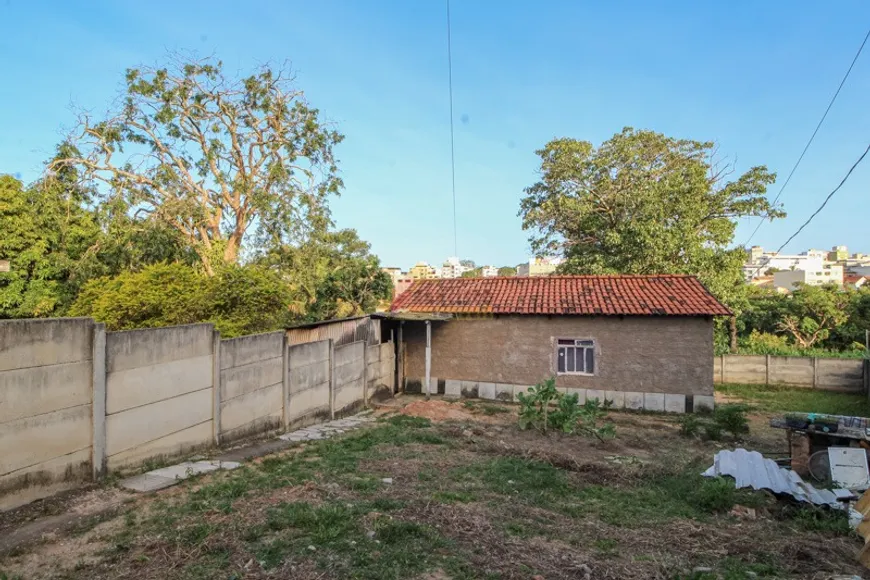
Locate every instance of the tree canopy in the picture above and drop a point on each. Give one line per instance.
(216, 158)
(644, 203)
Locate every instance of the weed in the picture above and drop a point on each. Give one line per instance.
(454, 496)
(712, 431)
(545, 408)
(815, 519)
(690, 425)
(606, 546)
(732, 418)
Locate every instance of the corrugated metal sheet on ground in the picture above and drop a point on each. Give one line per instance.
(751, 469)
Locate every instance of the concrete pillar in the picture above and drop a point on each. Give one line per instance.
(216, 386)
(98, 407)
(366, 375)
(331, 379)
(400, 364)
(722, 369)
(285, 383)
(815, 372)
(428, 357)
(767, 369)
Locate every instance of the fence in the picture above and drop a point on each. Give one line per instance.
(77, 401)
(830, 374)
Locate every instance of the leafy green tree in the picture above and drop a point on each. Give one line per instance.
(475, 273)
(46, 229)
(468, 263)
(644, 203)
(507, 271)
(332, 275)
(850, 335)
(813, 312)
(217, 158)
(247, 300)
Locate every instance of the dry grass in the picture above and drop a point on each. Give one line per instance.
(471, 497)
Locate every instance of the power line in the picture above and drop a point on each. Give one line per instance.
(452, 147)
(821, 207)
(813, 136)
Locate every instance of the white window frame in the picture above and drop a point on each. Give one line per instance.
(579, 343)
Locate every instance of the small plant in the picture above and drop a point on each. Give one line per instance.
(690, 425)
(712, 431)
(732, 418)
(545, 408)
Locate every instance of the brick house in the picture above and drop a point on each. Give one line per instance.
(639, 341)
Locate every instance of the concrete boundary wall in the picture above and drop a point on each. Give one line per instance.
(829, 374)
(77, 402)
(349, 379)
(159, 393)
(46, 369)
(251, 385)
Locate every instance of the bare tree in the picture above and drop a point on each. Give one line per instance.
(216, 158)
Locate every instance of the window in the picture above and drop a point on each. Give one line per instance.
(575, 357)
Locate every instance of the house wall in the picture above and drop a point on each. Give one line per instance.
(638, 355)
(46, 369)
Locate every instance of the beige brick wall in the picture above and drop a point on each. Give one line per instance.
(633, 354)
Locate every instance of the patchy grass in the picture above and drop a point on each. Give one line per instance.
(787, 399)
(502, 503)
(487, 409)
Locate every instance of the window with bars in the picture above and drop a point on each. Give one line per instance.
(575, 357)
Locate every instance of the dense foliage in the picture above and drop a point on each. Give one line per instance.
(644, 203)
(203, 198)
(811, 321)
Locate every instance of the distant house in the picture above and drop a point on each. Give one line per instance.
(538, 267)
(643, 342)
(827, 274)
(489, 271)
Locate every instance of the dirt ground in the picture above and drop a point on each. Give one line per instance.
(446, 490)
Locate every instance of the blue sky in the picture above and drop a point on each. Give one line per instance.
(752, 76)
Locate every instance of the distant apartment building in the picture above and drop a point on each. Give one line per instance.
(539, 267)
(759, 262)
(422, 270)
(838, 254)
(789, 279)
(394, 273)
(453, 268)
(489, 271)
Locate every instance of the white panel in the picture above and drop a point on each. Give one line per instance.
(34, 440)
(38, 390)
(246, 408)
(245, 379)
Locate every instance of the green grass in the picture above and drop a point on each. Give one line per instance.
(485, 408)
(786, 399)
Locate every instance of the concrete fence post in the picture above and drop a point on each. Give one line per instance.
(216, 386)
(285, 383)
(722, 369)
(331, 379)
(767, 369)
(98, 406)
(815, 372)
(366, 375)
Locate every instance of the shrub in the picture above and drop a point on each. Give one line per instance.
(690, 424)
(732, 418)
(713, 431)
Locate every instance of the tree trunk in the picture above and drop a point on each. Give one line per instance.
(732, 327)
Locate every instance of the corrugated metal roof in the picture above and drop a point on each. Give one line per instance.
(751, 469)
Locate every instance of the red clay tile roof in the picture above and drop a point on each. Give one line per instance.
(659, 295)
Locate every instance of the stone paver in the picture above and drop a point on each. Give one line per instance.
(168, 476)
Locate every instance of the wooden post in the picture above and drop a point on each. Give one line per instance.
(98, 407)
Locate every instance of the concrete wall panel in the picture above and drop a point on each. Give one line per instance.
(349, 394)
(308, 402)
(349, 353)
(34, 440)
(846, 374)
(172, 445)
(236, 352)
(250, 377)
(745, 369)
(40, 342)
(138, 348)
(44, 479)
(348, 372)
(149, 384)
(307, 376)
(261, 424)
(38, 390)
(791, 370)
(141, 425)
(308, 353)
(247, 408)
